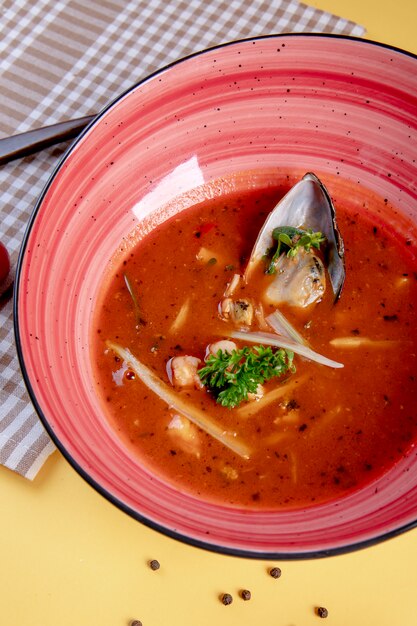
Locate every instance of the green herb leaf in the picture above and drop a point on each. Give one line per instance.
(232, 376)
(285, 239)
(290, 240)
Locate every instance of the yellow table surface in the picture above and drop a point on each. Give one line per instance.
(70, 558)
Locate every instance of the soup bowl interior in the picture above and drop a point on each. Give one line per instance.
(232, 116)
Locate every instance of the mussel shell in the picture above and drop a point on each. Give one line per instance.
(306, 205)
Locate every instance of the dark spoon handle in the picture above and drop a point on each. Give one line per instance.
(24, 144)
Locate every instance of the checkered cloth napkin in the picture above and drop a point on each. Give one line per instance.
(61, 59)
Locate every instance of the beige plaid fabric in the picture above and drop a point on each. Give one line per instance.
(68, 58)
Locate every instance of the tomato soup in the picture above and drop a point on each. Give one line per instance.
(315, 433)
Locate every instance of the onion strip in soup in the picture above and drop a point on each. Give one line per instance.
(176, 402)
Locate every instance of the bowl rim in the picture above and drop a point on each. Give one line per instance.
(211, 547)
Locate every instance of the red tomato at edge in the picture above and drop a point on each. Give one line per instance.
(4, 263)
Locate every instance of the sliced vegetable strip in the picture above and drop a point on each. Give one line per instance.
(133, 295)
(251, 408)
(282, 326)
(175, 401)
(280, 341)
(181, 317)
(359, 342)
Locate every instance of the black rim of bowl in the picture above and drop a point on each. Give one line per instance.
(220, 549)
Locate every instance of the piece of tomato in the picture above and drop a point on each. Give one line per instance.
(4, 263)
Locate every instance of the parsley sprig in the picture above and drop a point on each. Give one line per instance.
(290, 240)
(231, 376)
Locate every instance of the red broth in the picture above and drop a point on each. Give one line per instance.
(332, 430)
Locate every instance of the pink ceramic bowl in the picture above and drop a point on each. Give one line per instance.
(337, 106)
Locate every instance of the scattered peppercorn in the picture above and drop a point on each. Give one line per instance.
(322, 611)
(275, 572)
(135, 622)
(154, 564)
(245, 594)
(227, 599)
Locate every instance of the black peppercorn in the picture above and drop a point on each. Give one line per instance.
(154, 564)
(275, 572)
(245, 594)
(227, 599)
(135, 622)
(322, 611)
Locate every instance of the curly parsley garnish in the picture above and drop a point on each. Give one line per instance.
(231, 376)
(290, 240)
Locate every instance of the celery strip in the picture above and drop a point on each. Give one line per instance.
(176, 402)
